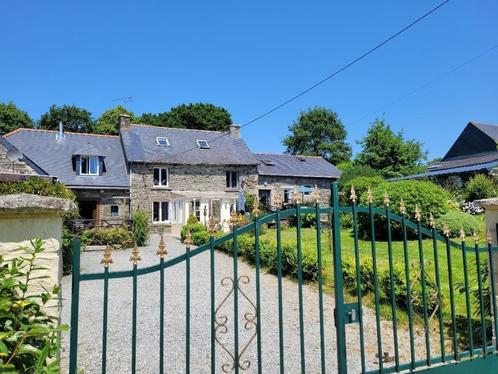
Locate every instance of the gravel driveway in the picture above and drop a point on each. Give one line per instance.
(119, 325)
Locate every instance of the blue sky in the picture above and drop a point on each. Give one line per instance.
(250, 56)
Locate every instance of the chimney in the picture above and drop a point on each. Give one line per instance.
(60, 134)
(234, 131)
(124, 122)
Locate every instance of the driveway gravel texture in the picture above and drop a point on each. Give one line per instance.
(120, 312)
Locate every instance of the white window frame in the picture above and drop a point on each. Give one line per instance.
(205, 141)
(159, 138)
(160, 211)
(160, 185)
(230, 179)
(89, 158)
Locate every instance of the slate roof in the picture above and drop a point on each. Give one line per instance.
(140, 145)
(295, 166)
(55, 156)
(488, 129)
(9, 146)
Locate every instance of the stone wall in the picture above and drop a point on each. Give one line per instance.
(106, 199)
(18, 167)
(273, 183)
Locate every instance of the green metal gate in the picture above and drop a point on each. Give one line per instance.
(405, 290)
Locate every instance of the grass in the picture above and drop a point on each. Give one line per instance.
(347, 243)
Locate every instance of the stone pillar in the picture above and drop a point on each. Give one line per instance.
(491, 209)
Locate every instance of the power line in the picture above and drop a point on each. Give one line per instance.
(428, 83)
(337, 72)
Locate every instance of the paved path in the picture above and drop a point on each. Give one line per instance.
(119, 329)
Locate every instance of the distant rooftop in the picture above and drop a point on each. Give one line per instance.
(274, 164)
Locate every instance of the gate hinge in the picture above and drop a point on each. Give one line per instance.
(352, 313)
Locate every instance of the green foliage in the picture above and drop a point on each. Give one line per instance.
(480, 187)
(37, 186)
(11, 118)
(356, 171)
(201, 116)
(457, 220)
(360, 184)
(428, 196)
(29, 336)
(390, 153)
(107, 123)
(319, 132)
(113, 236)
(193, 228)
(73, 118)
(140, 227)
(192, 219)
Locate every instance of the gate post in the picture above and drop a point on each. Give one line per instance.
(338, 283)
(491, 219)
(75, 299)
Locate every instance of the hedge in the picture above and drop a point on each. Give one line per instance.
(114, 236)
(457, 220)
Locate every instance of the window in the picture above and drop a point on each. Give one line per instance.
(89, 165)
(195, 208)
(203, 144)
(160, 211)
(287, 196)
(307, 190)
(162, 140)
(232, 179)
(161, 177)
(114, 211)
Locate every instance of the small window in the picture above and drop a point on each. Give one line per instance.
(161, 177)
(162, 140)
(114, 211)
(160, 211)
(307, 190)
(89, 165)
(203, 144)
(232, 179)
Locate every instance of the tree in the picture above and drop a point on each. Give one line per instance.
(11, 118)
(73, 118)
(107, 123)
(200, 116)
(390, 153)
(319, 132)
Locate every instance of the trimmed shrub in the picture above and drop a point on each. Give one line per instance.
(429, 197)
(114, 236)
(140, 227)
(200, 237)
(480, 187)
(193, 228)
(457, 220)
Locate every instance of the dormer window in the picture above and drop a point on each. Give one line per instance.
(162, 140)
(203, 144)
(89, 165)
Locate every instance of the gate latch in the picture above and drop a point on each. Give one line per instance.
(352, 313)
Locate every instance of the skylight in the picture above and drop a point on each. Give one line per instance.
(203, 144)
(162, 140)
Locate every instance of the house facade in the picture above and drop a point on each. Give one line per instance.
(474, 151)
(14, 165)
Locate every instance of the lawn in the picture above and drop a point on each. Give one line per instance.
(309, 244)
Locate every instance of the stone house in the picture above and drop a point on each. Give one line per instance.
(14, 165)
(286, 174)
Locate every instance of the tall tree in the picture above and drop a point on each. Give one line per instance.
(107, 123)
(11, 118)
(390, 153)
(74, 119)
(202, 116)
(319, 132)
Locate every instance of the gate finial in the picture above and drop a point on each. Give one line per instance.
(446, 230)
(402, 207)
(369, 195)
(188, 238)
(352, 195)
(297, 196)
(316, 195)
(106, 260)
(386, 199)
(418, 215)
(135, 255)
(234, 218)
(462, 234)
(432, 222)
(488, 237)
(255, 207)
(212, 226)
(161, 251)
(475, 237)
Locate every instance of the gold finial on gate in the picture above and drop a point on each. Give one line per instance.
(106, 259)
(316, 195)
(352, 195)
(161, 250)
(188, 238)
(418, 215)
(297, 196)
(277, 199)
(432, 222)
(386, 199)
(370, 195)
(234, 218)
(462, 234)
(475, 237)
(446, 230)
(212, 226)
(488, 237)
(135, 255)
(255, 207)
(402, 207)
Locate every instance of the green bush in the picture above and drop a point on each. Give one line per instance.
(29, 336)
(192, 219)
(360, 184)
(140, 227)
(113, 236)
(429, 197)
(480, 187)
(457, 220)
(193, 228)
(200, 237)
(353, 171)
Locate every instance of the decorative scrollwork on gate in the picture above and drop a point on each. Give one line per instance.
(250, 323)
